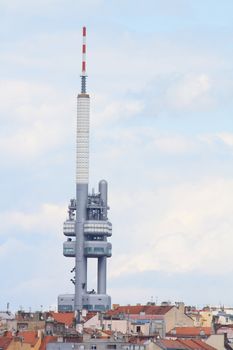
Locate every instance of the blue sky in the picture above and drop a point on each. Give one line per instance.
(160, 78)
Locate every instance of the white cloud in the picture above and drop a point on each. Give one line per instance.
(29, 267)
(173, 144)
(17, 94)
(134, 141)
(47, 220)
(182, 228)
(33, 8)
(217, 140)
(38, 117)
(106, 110)
(29, 142)
(226, 138)
(191, 91)
(11, 247)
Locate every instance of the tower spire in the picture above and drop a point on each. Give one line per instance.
(84, 74)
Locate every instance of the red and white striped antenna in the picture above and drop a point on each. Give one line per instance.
(84, 73)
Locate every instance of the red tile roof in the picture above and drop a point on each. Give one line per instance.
(196, 344)
(5, 342)
(66, 318)
(147, 309)
(170, 344)
(190, 331)
(47, 339)
(8, 334)
(29, 337)
(202, 345)
(189, 344)
(108, 332)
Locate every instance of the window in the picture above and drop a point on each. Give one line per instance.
(99, 307)
(99, 250)
(88, 250)
(111, 346)
(88, 307)
(93, 347)
(68, 250)
(63, 308)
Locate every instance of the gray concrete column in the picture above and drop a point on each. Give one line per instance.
(102, 273)
(103, 190)
(85, 273)
(80, 265)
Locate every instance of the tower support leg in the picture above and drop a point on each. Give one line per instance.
(102, 271)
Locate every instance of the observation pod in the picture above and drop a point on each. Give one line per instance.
(69, 228)
(91, 249)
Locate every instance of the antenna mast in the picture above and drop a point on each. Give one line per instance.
(84, 74)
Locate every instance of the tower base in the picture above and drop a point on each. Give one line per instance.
(96, 302)
(91, 302)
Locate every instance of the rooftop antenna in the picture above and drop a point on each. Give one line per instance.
(84, 74)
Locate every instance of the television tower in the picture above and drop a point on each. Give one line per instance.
(87, 226)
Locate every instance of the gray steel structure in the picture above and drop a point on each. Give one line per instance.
(87, 226)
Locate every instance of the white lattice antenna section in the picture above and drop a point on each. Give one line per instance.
(82, 155)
